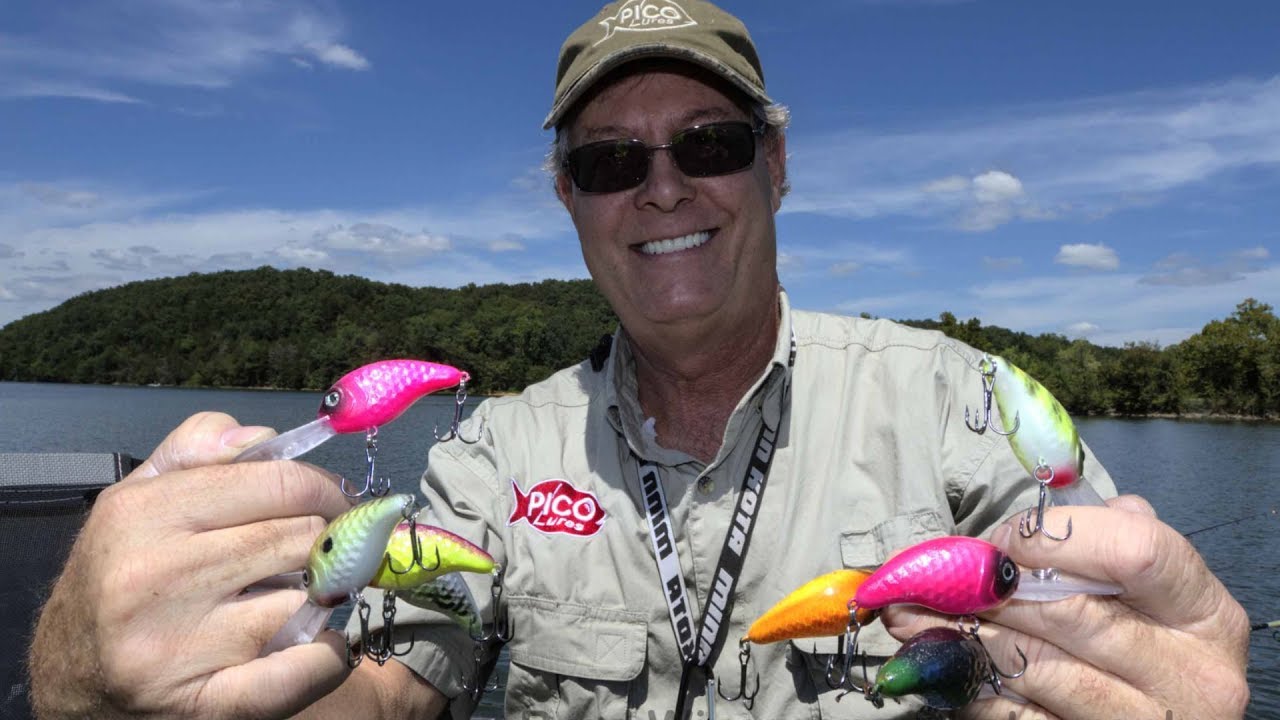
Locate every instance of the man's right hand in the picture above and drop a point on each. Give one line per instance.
(148, 617)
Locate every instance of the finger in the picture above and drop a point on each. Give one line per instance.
(999, 708)
(283, 683)
(1132, 503)
(1161, 573)
(206, 438)
(223, 496)
(1060, 683)
(240, 556)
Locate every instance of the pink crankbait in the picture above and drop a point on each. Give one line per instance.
(362, 401)
(960, 575)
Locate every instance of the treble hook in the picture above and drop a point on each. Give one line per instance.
(1043, 474)
(417, 551)
(846, 646)
(993, 679)
(377, 488)
(459, 402)
(501, 628)
(477, 654)
(987, 368)
(744, 657)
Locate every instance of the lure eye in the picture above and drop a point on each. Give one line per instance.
(331, 400)
(1007, 581)
(306, 578)
(327, 546)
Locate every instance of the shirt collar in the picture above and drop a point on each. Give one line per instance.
(623, 401)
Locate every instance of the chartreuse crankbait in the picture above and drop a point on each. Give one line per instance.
(818, 608)
(1043, 438)
(362, 401)
(343, 560)
(417, 554)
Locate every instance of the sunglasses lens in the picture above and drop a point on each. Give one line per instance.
(717, 149)
(614, 165)
(609, 166)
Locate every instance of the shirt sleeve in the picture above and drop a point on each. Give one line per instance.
(459, 486)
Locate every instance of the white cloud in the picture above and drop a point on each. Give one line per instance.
(340, 55)
(845, 268)
(96, 51)
(1093, 257)
(1182, 269)
(1082, 329)
(509, 243)
(1075, 160)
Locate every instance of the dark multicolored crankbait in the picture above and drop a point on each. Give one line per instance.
(945, 667)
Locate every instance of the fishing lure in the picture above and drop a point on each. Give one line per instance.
(1044, 439)
(946, 667)
(362, 401)
(449, 595)
(343, 560)
(818, 608)
(417, 554)
(960, 575)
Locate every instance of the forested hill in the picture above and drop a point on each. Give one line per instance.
(304, 329)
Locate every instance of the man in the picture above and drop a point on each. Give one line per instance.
(726, 443)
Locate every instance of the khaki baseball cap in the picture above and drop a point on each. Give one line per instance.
(691, 30)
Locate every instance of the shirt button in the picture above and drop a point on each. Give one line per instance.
(706, 485)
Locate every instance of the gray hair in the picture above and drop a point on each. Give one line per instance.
(776, 119)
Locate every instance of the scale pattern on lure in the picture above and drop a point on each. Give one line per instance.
(818, 608)
(345, 557)
(375, 394)
(447, 594)
(1045, 438)
(956, 575)
(944, 666)
(439, 552)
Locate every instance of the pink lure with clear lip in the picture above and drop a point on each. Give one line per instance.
(954, 575)
(375, 394)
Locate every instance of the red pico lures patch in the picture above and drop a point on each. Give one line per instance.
(556, 506)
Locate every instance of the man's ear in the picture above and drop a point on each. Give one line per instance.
(564, 190)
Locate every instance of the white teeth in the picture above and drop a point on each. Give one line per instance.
(661, 247)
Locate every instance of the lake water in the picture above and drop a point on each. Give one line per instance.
(1194, 473)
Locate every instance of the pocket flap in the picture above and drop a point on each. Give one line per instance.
(577, 640)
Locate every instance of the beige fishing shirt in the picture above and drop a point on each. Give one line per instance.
(872, 455)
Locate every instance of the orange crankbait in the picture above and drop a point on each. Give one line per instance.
(819, 608)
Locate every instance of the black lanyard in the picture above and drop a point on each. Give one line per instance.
(698, 645)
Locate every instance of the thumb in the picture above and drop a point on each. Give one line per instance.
(207, 438)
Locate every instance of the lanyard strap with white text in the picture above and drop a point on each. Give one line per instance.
(697, 651)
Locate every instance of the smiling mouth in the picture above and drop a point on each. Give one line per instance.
(684, 242)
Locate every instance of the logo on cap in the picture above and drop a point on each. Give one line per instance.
(645, 15)
(556, 506)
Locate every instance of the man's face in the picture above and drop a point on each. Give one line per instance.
(722, 265)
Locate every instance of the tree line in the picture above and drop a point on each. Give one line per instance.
(302, 329)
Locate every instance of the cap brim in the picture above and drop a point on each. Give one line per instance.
(641, 52)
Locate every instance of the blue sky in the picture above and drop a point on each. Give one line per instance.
(1108, 170)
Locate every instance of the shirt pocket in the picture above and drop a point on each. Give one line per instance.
(572, 661)
(864, 547)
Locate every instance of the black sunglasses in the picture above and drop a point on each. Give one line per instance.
(700, 151)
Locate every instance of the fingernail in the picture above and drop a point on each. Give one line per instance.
(242, 437)
(1000, 538)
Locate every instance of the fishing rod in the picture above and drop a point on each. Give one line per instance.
(1250, 516)
(1273, 626)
